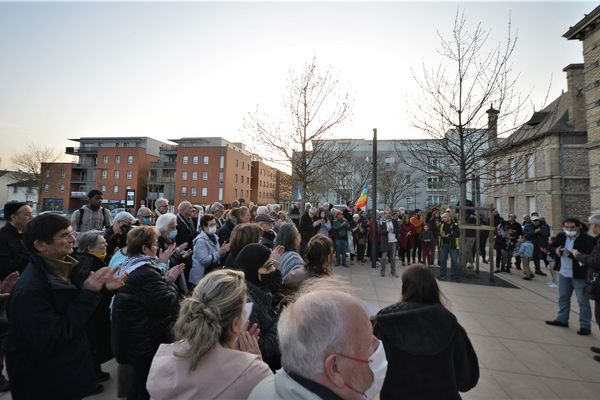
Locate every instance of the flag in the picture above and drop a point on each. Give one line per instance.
(362, 199)
(298, 193)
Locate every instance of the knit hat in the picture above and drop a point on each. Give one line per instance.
(251, 258)
(12, 208)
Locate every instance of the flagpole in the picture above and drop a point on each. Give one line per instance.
(374, 203)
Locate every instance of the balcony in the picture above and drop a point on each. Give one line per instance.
(161, 179)
(163, 165)
(79, 195)
(76, 151)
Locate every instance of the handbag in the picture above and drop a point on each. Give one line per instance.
(592, 285)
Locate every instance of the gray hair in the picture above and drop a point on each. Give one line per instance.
(143, 211)
(262, 210)
(163, 222)
(216, 206)
(595, 219)
(307, 206)
(286, 237)
(123, 216)
(184, 205)
(276, 207)
(88, 239)
(310, 329)
(161, 201)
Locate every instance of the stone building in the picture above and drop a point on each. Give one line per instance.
(543, 166)
(587, 31)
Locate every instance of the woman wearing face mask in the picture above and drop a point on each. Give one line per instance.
(167, 228)
(116, 234)
(429, 353)
(207, 251)
(263, 281)
(91, 257)
(214, 355)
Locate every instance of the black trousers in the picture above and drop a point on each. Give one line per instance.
(138, 391)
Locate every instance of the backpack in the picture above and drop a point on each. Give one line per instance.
(104, 210)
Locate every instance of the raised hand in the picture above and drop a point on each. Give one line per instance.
(249, 343)
(172, 274)
(163, 256)
(9, 282)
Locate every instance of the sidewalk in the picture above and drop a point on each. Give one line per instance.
(520, 357)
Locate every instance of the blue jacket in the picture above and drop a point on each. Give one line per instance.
(525, 249)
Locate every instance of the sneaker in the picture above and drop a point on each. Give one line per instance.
(527, 278)
(595, 349)
(442, 277)
(558, 323)
(584, 331)
(540, 273)
(553, 285)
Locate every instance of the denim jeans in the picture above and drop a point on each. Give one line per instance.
(565, 291)
(389, 255)
(444, 250)
(341, 247)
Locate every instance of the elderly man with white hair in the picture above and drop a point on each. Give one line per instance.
(186, 229)
(328, 351)
(145, 216)
(217, 209)
(161, 206)
(262, 210)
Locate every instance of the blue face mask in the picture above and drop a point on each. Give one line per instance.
(147, 220)
(172, 235)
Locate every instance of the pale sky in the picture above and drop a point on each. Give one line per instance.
(171, 70)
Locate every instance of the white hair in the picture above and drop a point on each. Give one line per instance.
(184, 205)
(270, 207)
(310, 329)
(161, 201)
(262, 210)
(216, 206)
(595, 219)
(142, 211)
(276, 207)
(123, 216)
(307, 206)
(163, 222)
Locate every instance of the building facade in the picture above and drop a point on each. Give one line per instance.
(265, 185)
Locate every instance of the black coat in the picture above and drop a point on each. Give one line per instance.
(225, 232)
(264, 315)
(268, 239)
(584, 243)
(48, 355)
(307, 230)
(143, 313)
(429, 354)
(186, 232)
(13, 254)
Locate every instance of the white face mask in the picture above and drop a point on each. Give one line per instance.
(378, 366)
(212, 230)
(570, 233)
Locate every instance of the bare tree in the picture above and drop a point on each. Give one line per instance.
(314, 106)
(32, 164)
(392, 185)
(349, 176)
(451, 106)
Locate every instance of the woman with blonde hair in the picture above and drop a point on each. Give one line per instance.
(214, 355)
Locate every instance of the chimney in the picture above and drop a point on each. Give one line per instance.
(492, 132)
(575, 85)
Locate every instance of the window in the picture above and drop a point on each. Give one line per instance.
(220, 178)
(496, 172)
(221, 162)
(531, 204)
(184, 176)
(129, 175)
(498, 204)
(195, 175)
(62, 188)
(104, 173)
(116, 189)
(184, 190)
(194, 191)
(186, 160)
(434, 163)
(435, 183)
(510, 173)
(531, 166)
(205, 176)
(511, 205)
(46, 187)
(235, 178)
(242, 178)
(129, 159)
(62, 173)
(117, 174)
(205, 160)
(103, 188)
(220, 194)
(105, 159)
(47, 173)
(195, 160)
(117, 159)
(235, 193)
(127, 187)
(237, 163)
(204, 191)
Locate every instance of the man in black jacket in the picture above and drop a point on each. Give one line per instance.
(572, 274)
(13, 255)
(48, 355)
(308, 228)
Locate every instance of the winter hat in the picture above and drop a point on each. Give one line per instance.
(251, 258)
(12, 208)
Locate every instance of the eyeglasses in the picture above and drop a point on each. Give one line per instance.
(68, 235)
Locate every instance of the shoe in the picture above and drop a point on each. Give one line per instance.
(584, 331)
(552, 285)
(597, 358)
(527, 278)
(383, 275)
(498, 271)
(595, 349)
(485, 261)
(345, 265)
(99, 389)
(337, 264)
(456, 279)
(540, 273)
(558, 323)
(394, 274)
(519, 268)
(4, 384)
(442, 277)
(103, 376)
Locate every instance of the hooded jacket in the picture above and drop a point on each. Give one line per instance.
(429, 354)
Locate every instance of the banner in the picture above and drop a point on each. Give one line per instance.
(362, 199)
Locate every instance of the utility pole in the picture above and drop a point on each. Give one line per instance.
(374, 204)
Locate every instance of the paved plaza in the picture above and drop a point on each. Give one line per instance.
(520, 357)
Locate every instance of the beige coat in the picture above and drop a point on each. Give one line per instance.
(223, 373)
(281, 387)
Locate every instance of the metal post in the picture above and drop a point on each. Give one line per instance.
(374, 204)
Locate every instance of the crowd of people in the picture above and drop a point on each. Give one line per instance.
(241, 302)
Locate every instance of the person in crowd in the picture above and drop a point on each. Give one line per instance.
(166, 225)
(145, 216)
(592, 260)
(526, 220)
(417, 221)
(325, 225)
(116, 233)
(406, 235)
(264, 284)
(509, 244)
(236, 216)
(282, 218)
(572, 274)
(499, 242)
(253, 212)
(359, 228)
(216, 209)
(429, 353)
(241, 236)
(92, 256)
(319, 256)
(517, 228)
(14, 257)
(541, 233)
(143, 310)
(262, 210)
(470, 239)
(289, 238)
(275, 208)
(6, 286)
(339, 233)
(235, 204)
(449, 235)
(186, 228)
(161, 206)
(265, 222)
(484, 235)
(309, 226)
(207, 251)
(48, 354)
(525, 252)
(242, 202)
(91, 216)
(295, 213)
(388, 231)
(213, 355)
(328, 351)
(427, 239)
(553, 275)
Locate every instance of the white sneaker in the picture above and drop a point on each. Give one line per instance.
(552, 285)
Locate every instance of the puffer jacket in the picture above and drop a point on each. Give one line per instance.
(143, 312)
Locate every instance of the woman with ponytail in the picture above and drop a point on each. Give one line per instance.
(214, 355)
